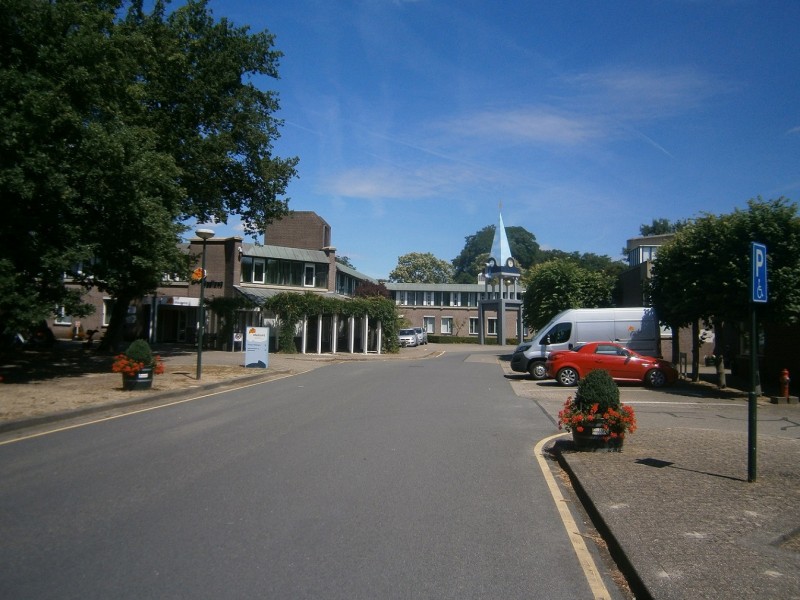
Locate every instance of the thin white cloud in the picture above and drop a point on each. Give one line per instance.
(535, 123)
(375, 183)
(595, 106)
(794, 131)
(638, 93)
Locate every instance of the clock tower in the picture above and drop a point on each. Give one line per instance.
(502, 292)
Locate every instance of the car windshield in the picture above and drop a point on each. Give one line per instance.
(406, 332)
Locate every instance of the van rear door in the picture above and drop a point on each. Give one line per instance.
(637, 335)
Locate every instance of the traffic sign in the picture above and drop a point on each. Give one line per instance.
(759, 264)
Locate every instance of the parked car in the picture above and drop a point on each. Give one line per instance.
(569, 366)
(634, 328)
(422, 335)
(408, 337)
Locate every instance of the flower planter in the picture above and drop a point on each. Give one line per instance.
(143, 380)
(596, 437)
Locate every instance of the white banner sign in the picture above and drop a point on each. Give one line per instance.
(256, 353)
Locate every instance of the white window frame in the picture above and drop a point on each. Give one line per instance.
(429, 324)
(447, 325)
(263, 263)
(313, 268)
(491, 326)
(428, 299)
(62, 318)
(107, 306)
(473, 326)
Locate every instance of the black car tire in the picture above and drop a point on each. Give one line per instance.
(537, 370)
(567, 377)
(656, 378)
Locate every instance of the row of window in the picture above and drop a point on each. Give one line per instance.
(450, 326)
(466, 299)
(642, 254)
(276, 271)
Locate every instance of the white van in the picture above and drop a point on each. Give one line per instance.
(634, 328)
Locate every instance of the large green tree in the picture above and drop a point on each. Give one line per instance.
(118, 125)
(419, 267)
(704, 273)
(560, 284)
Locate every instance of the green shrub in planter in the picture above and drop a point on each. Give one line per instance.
(140, 351)
(597, 388)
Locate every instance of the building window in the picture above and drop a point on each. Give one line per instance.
(310, 276)
(491, 326)
(108, 304)
(428, 299)
(447, 325)
(455, 299)
(62, 318)
(258, 270)
(429, 323)
(473, 326)
(247, 269)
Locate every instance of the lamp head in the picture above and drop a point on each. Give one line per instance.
(204, 234)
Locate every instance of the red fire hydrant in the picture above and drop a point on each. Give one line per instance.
(785, 383)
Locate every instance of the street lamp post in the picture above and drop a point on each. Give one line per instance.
(203, 234)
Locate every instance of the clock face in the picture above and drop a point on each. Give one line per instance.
(510, 262)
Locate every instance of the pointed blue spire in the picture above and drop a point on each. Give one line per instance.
(501, 251)
(501, 263)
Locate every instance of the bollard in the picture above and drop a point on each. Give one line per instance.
(785, 383)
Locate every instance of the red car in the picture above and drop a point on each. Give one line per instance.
(567, 367)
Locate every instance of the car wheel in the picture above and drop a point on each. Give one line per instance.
(656, 378)
(567, 377)
(537, 370)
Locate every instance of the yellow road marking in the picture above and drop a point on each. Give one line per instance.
(585, 559)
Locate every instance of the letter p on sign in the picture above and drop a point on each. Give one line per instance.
(759, 264)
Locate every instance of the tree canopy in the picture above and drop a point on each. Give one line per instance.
(662, 226)
(118, 126)
(418, 267)
(472, 259)
(704, 272)
(560, 284)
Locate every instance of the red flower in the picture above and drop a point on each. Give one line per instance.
(127, 366)
(616, 421)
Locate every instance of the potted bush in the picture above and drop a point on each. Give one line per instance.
(138, 364)
(596, 417)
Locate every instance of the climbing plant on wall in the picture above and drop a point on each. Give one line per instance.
(291, 308)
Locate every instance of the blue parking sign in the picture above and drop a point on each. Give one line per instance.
(759, 264)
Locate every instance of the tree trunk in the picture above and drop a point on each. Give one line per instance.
(696, 351)
(719, 356)
(676, 345)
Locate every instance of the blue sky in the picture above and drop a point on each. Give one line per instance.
(414, 119)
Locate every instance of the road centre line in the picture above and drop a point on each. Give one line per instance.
(593, 578)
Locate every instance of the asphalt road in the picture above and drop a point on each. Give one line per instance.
(397, 479)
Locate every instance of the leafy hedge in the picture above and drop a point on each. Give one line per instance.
(292, 307)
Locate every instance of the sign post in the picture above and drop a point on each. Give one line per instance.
(758, 295)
